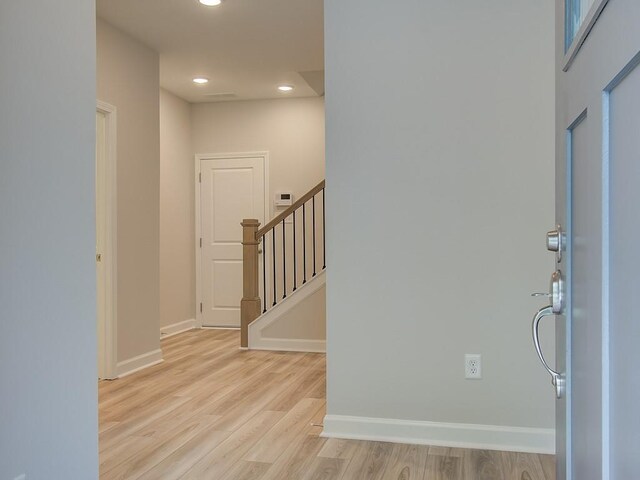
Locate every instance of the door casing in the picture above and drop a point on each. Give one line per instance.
(110, 258)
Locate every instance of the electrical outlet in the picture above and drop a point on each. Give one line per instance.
(21, 477)
(473, 366)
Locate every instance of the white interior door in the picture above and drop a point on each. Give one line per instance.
(231, 189)
(101, 149)
(598, 185)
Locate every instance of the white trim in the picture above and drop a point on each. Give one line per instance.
(220, 328)
(140, 362)
(110, 256)
(290, 345)
(198, 256)
(487, 437)
(213, 156)
(582, 34)
(176, 328)
(258, 342)
(606, 272)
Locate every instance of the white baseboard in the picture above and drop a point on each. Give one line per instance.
(487, 437)
(135, 364)
(177, 328)
(290, 345)
(204, 327)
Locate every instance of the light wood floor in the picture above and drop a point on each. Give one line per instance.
(211, 411)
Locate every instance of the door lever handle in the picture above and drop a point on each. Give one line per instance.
(557, 379)
(541, 294)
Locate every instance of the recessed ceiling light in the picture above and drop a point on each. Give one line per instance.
(200, 80)
(211, 3)
(285, 88)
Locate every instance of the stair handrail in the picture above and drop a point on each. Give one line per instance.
(252, 237)
(295, 206)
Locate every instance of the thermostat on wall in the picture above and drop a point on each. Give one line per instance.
(284, 199)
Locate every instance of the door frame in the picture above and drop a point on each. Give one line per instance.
(581, 35)
(199, 157)
(110, 253)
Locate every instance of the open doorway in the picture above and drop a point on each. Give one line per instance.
(106, 240)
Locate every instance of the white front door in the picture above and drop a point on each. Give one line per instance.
(231, 189)
(597, 198)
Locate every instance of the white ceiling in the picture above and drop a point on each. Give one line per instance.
(244, 47)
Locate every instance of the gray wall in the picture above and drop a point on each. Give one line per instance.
(291, 130)
(440, 153)
(48, 405)
(177, 256)
(128, 78)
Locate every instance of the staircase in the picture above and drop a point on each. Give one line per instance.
(284, 266)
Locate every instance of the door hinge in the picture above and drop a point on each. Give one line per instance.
(200, 242)
(200, 307)
(200, 177)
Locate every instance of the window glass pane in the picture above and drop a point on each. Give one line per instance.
(576, 13)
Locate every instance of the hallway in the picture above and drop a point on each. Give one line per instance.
(211, 411)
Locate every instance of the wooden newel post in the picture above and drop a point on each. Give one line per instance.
(250, 304)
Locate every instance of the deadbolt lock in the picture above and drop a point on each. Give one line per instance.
(556, 242)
